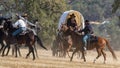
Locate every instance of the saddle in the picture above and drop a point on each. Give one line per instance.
(92, 39)
(24, 32)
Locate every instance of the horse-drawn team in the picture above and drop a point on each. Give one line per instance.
(72, 32)
(79, 35)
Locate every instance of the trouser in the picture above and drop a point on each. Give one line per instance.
(85, 38)
(18, 31)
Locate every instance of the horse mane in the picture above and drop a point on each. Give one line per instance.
(9, 27)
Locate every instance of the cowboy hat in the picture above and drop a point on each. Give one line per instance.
(25, 15)
(72, 16)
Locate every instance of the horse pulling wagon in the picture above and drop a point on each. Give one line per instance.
(60, 45)
(69, 38)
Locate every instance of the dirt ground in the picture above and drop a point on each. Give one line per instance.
(46, 60)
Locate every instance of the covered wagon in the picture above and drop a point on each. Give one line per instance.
(66, 15)
(60, 45)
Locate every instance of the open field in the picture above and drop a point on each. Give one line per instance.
(46, 60)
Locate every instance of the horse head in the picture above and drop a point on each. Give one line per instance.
(7, 25)
(64, 28)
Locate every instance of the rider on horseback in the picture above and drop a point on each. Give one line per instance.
(71, 22)
(87, 33)
(21, 25)
(24, 17)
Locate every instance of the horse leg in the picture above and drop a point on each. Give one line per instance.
(32, 49)
(19, 52)
(68, 50)
(99, 54)
(2, 47)
(76, 50)
(64, 53)
(78, 53)
(13, 49)
(5, 49)
(83, 55)
(36, 51)
(28, 53)
(16, 50)
(104, 55)
(8, 50)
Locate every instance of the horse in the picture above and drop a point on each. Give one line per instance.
(2, 34)
(100, 44)
(56, 48)
(28, 39)
(65, 43)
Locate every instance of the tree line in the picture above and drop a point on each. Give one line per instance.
(48, 13)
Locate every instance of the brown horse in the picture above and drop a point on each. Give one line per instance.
(77, 42)
(28, 39)
(57, 48)
(66, 44)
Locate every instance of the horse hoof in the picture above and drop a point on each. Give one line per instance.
(33, 58)
(3, 55)
(15, 56)
(26, 57)
(70, 60)
(84, 60)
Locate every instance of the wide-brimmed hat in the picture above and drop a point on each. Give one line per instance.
(87, 22)
(72, 16)
(24, 15)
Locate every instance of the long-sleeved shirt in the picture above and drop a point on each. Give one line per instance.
(26, 21)
(87, 30)
(20, 23)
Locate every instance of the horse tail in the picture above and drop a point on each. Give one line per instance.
(110, 49)
(40, 42)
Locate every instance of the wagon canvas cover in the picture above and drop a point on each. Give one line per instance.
(79, 18)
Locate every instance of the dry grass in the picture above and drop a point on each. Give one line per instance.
(46, 60)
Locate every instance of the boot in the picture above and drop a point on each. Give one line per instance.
(85, 49)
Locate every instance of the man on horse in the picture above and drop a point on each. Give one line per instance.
(71, 22)
(21, 25)
(24, 17)
(87, 33)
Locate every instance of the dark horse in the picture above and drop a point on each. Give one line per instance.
(2, 35)
(65, 44)
(28, 39)
(78, 44)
